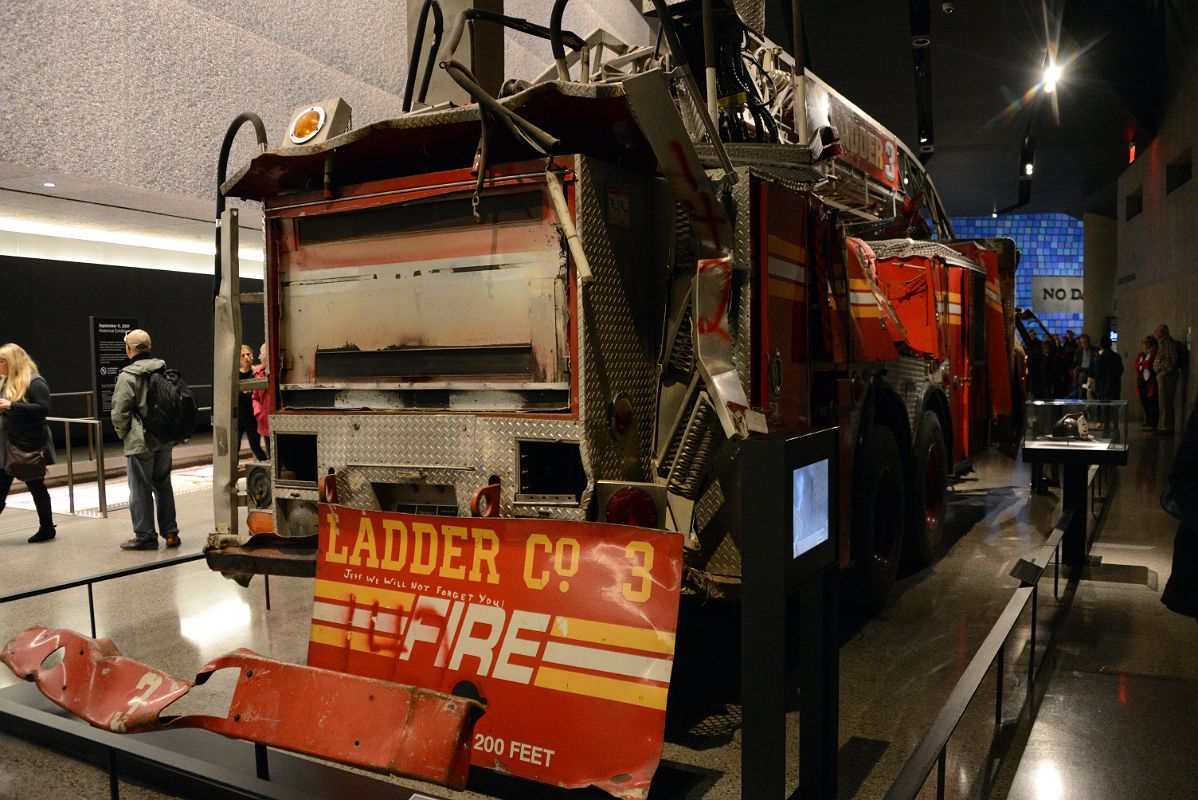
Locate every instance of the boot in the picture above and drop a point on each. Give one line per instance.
(44, 534)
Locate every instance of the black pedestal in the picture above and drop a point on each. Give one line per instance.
(1076, 463)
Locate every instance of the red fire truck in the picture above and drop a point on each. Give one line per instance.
(568, 308)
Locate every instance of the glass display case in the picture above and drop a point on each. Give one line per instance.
(1076, 425)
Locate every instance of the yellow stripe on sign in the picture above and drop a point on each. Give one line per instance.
(859, 285)
(385, 644)
(954, 319)
(788, 250)
(866, 312)
(636, 694)
(787, 290)
(336, 591)
(587, 630)
(954, 297)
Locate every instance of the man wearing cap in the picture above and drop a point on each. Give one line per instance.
(149, 460)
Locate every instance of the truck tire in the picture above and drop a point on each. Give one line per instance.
(878, 505)
(929, 492)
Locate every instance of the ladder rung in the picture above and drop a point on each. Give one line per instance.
(251, 384)
(250, 298)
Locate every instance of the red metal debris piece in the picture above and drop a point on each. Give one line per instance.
(368, 723)
(93, 680)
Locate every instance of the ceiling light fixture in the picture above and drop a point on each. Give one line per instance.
(1052, 74)
(20, 225)
(48, 185)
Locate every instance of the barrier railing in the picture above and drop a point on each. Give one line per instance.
(933, 750)
(95, 433)
(101, 473)
(94, 579)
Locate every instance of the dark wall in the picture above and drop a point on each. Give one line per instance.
(46, 306)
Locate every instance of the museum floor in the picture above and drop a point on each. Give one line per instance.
(1116, 697)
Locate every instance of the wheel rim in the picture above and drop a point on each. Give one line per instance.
(933, 490)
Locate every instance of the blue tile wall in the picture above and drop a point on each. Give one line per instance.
(1051, 244)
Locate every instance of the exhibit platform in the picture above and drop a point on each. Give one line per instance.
(1115, 700)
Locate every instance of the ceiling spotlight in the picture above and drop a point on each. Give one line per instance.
(1027, 154)
(48, 185)
(994, 214)
(1052, 74)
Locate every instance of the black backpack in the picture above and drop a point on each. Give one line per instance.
(172, 415)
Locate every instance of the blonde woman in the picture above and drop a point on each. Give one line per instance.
(24, 404)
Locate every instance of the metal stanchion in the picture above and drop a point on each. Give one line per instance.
(998, 676)
(114, 786)
(91, 609)
(90, 413)
(70, 468)
(1031, 661)
(260, 763)
(100, 476)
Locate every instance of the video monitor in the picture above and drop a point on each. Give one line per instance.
(811, 521)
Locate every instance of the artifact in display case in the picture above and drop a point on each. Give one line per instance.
(1076, 424)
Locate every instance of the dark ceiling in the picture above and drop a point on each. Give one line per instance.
(985, 57)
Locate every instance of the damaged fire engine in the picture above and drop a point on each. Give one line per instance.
(514, 347)
(508, 339)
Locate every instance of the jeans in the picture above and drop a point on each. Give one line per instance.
(150, 482)
(1168, 387)
(248, 425)
(41, 498)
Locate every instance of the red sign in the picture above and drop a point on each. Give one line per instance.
(564, 629)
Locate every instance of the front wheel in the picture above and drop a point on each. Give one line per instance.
(878, 506)
(928, 495)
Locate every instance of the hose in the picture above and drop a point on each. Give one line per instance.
(571, 40)
(521, 128)
(417, 45)
(555, 40)
(222, 166)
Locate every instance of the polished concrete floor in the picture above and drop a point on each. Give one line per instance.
(1113, 713)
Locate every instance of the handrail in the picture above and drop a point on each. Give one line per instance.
(101, 472)
(107, 576)
(93, 424)
(932, 750)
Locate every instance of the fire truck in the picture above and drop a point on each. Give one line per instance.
(573, 302)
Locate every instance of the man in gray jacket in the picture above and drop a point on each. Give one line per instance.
(149, 460)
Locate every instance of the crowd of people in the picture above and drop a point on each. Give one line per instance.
(27, 448)
(1073, 368)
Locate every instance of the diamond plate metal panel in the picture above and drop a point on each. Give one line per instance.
(719, 539)
(622, 221)
(741, 314)
(909, 376)
(795, 178)
(906, 248)
(708, 505)
(457, 450)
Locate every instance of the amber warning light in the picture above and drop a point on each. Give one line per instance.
(306, 124)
